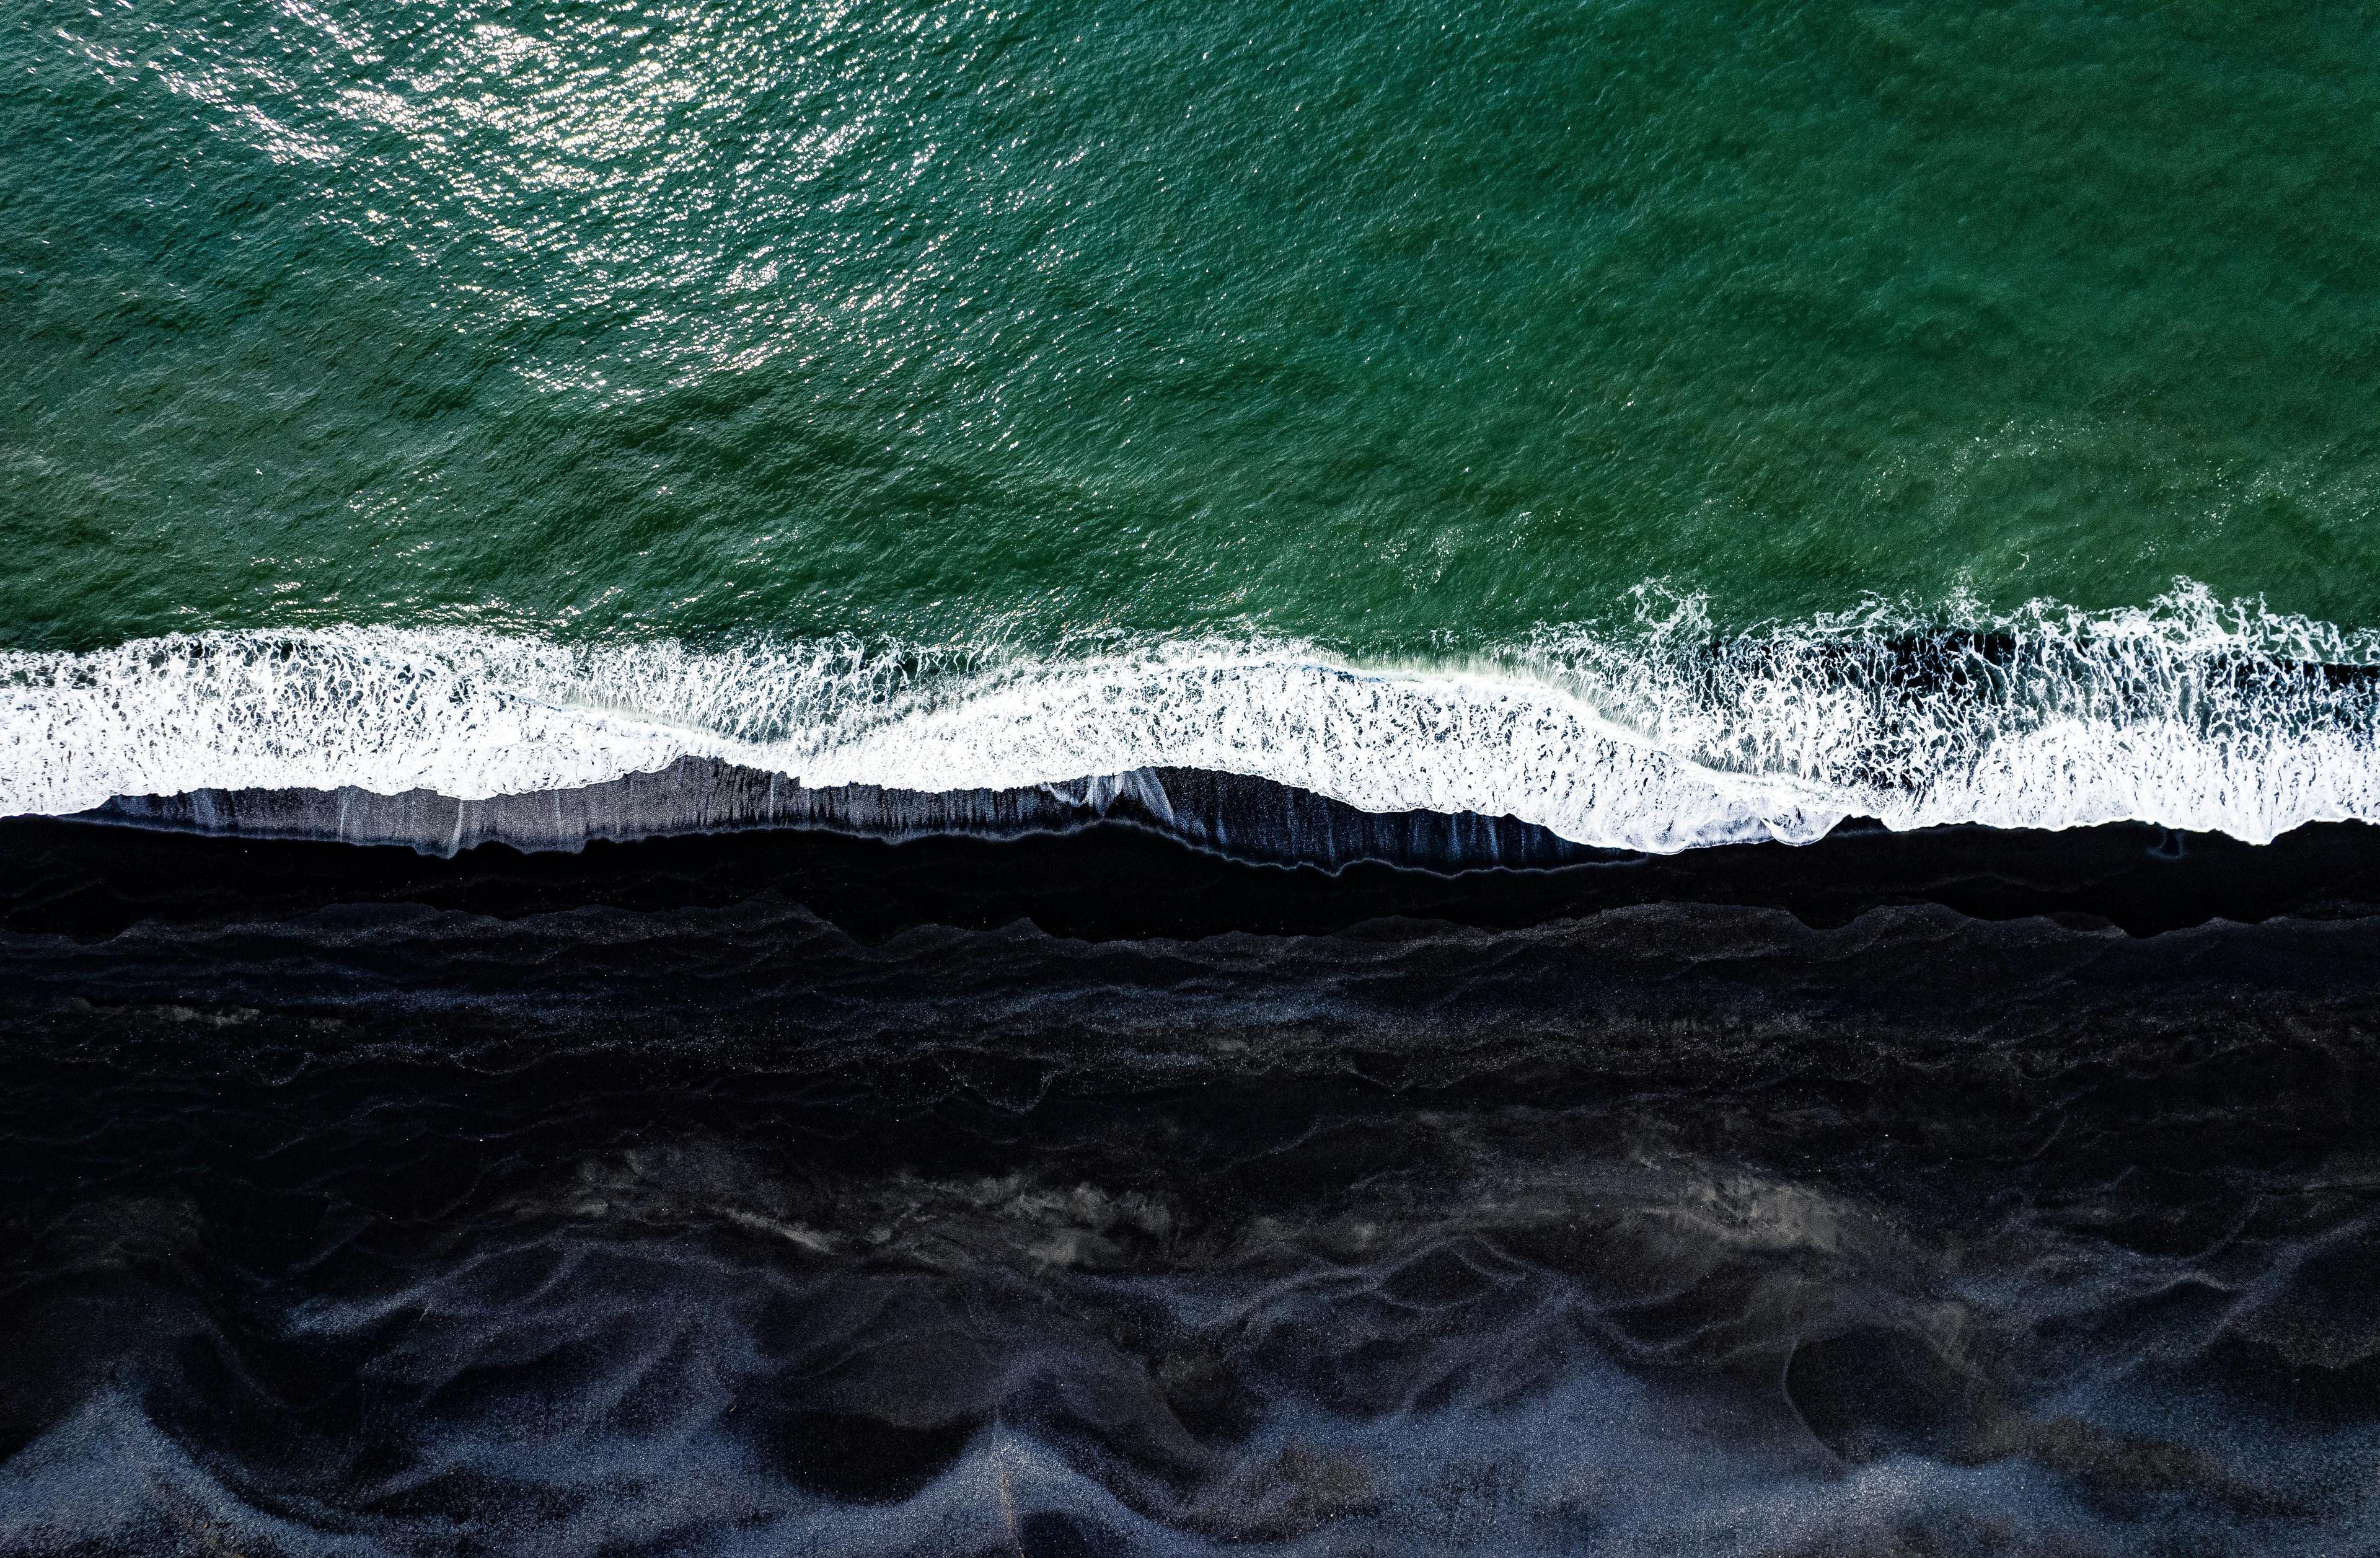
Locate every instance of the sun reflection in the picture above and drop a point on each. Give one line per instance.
(626, 172)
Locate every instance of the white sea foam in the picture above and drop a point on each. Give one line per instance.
(1659, 735)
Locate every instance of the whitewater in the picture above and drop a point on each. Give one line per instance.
(1660, 734)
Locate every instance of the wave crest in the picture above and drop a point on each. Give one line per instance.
(1663, 736)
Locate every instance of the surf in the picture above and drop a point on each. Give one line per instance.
(1658, 734)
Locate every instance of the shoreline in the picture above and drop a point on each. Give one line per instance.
(1164, 852)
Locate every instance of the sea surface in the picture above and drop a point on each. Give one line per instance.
(1091, 778)
(1409, 403)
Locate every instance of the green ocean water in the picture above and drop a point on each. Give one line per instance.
(1396, 328)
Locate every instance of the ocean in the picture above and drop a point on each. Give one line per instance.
(858, 364)
(786, 776)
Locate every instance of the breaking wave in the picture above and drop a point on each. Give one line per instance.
(1659, 735)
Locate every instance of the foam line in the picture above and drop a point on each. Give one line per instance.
(1661, 737)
